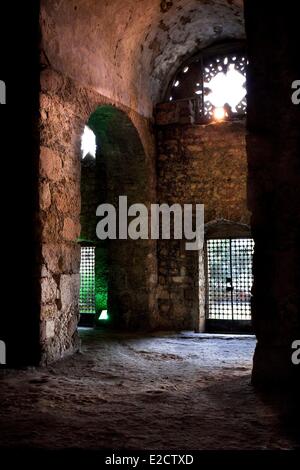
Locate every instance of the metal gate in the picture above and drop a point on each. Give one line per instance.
(87, 280)
(229, 278)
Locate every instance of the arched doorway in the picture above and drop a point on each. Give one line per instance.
(118, 168)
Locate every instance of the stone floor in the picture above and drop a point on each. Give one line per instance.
(164, 391)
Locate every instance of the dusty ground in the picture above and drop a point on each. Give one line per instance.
(180, 391)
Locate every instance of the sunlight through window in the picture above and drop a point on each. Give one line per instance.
(88, 143)
(103, 315)
(215, 84)
(226, 87)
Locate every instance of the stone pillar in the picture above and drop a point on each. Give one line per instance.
(59, 199)
(273, 147)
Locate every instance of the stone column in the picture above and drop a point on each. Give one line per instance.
(273, 147)
(59, 194)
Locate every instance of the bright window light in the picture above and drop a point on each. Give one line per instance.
(226, 88)
(103, 315)
(219, 114)
(88, 143)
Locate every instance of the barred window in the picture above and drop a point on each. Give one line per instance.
(87, 280)
(229, 271)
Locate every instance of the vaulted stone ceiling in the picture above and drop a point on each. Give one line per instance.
(128, 50)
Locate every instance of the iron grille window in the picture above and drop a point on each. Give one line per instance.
(87, 280)
(215, 81)
(229, 269)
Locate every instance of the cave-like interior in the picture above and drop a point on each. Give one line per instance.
(185, 102)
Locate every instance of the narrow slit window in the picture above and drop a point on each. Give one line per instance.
(87, 280)
(88, 143)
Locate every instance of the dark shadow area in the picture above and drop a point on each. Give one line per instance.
(19, 319)
(285, 403)
(273, 143)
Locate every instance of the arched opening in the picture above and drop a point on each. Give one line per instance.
(214, 80)
(114, 285)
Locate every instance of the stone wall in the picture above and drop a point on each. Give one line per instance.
(65, 108)
(59, 218)
(204, 164)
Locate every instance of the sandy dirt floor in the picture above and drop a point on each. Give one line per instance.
(165, 391)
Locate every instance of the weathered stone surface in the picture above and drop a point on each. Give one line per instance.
(142, 44)
(51, 226)
(51, 81)
(66, 197)
(50, 329)
(45, 196)
(199, 164)
(49, 289)
(49, 311)
(178, 112)
(51, 164)
(167, 113)
(69, 291)
(71, 229)
(61, 258)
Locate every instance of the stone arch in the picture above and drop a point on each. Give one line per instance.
(65, 108)
(223, 228)
(119, 170)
